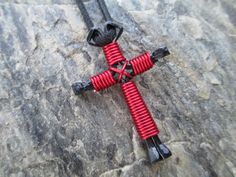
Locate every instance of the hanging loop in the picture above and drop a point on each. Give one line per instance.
(101, 37)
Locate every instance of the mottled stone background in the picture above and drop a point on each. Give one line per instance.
(47, 131)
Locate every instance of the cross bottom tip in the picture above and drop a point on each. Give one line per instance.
(157, 150)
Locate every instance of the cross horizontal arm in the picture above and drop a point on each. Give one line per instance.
(103, 80)
(146, 61)
(141, 63)
(98, 82)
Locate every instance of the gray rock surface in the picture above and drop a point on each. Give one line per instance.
(47, 131)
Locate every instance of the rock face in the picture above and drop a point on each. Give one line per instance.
(46, 130)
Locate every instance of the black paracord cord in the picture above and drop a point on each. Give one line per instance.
(85, 14)
(105, 12)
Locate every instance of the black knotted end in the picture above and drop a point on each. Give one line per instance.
(158, 55)
(80, 87)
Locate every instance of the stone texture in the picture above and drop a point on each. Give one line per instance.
(47, 131)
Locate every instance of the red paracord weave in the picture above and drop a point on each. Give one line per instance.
(121, 71)
(141, 63)
(142, 118)
(102, 80)
(113, 53)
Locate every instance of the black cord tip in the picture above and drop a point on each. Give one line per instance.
(157, 151)
(80, 87)
(160, 53)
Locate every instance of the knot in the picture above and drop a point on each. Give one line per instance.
(101, 37)
(104, 38)
(123, 74)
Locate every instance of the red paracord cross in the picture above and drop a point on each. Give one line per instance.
(142, 118)
(120, 70)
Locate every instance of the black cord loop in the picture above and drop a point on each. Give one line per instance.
(100, 37)
(97, 36)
